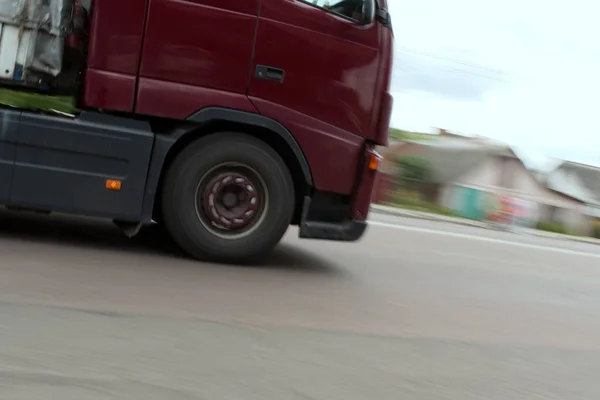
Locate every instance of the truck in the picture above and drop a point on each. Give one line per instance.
(223, 121)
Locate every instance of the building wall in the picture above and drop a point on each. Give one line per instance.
(501, 176)
(509, 177)
(569, 212)
(485, 176)
(575, 220)
(524, 182)
(504, 176)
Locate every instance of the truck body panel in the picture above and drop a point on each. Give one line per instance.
(9, 123)
(336, 83)
(332, 153)
(179, 101)
(210, 47)
(324, 98)
(306, 81)
(115, 43)
(63, 164)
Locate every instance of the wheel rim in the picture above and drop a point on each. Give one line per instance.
(231, 200)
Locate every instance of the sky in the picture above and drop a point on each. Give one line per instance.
(524, 72)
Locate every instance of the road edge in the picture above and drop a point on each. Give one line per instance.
(399, 212)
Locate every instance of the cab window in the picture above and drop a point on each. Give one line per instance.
(351, 9)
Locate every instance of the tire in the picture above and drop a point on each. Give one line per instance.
(189, 215)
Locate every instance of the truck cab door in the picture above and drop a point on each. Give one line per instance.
(316, 67)
(289, 58)
(351, 68)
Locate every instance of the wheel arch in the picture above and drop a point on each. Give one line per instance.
(211, 121)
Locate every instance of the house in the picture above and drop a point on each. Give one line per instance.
(579, 181)
(467, 171)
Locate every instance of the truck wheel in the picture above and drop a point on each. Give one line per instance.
(228, 197)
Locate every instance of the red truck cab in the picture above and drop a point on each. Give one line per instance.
(226, 121)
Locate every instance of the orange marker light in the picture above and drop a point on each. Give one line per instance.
(374, 160)
(113, 184)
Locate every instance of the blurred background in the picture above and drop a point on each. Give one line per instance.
(493, 105)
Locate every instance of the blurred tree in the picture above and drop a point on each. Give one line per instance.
(399, 134)
(414, 172)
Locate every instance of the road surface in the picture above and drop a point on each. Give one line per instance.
(416, 310)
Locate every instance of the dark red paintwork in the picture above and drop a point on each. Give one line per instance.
(116, 34)
(209, 46)
(109, 90)
(184, 100)
(382, 107)
(171, 58)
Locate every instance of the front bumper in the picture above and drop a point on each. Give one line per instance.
(349, 230)
(350, 224)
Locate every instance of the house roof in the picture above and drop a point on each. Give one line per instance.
(587, 174)
(566, 196)
(450, 158)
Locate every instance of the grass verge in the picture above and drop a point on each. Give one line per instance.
(35, 101)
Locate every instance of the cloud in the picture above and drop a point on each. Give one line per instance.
(446, 79)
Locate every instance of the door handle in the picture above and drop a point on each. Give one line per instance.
(269, 73)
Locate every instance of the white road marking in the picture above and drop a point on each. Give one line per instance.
(485, 239)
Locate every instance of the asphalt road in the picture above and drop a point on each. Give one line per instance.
(416, 310)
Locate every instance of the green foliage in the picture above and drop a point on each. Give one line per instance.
(551, 227)
(413, 170)
(37, 101)
(399, 134)
(596, 230)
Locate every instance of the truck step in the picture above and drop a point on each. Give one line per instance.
(347, 231)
